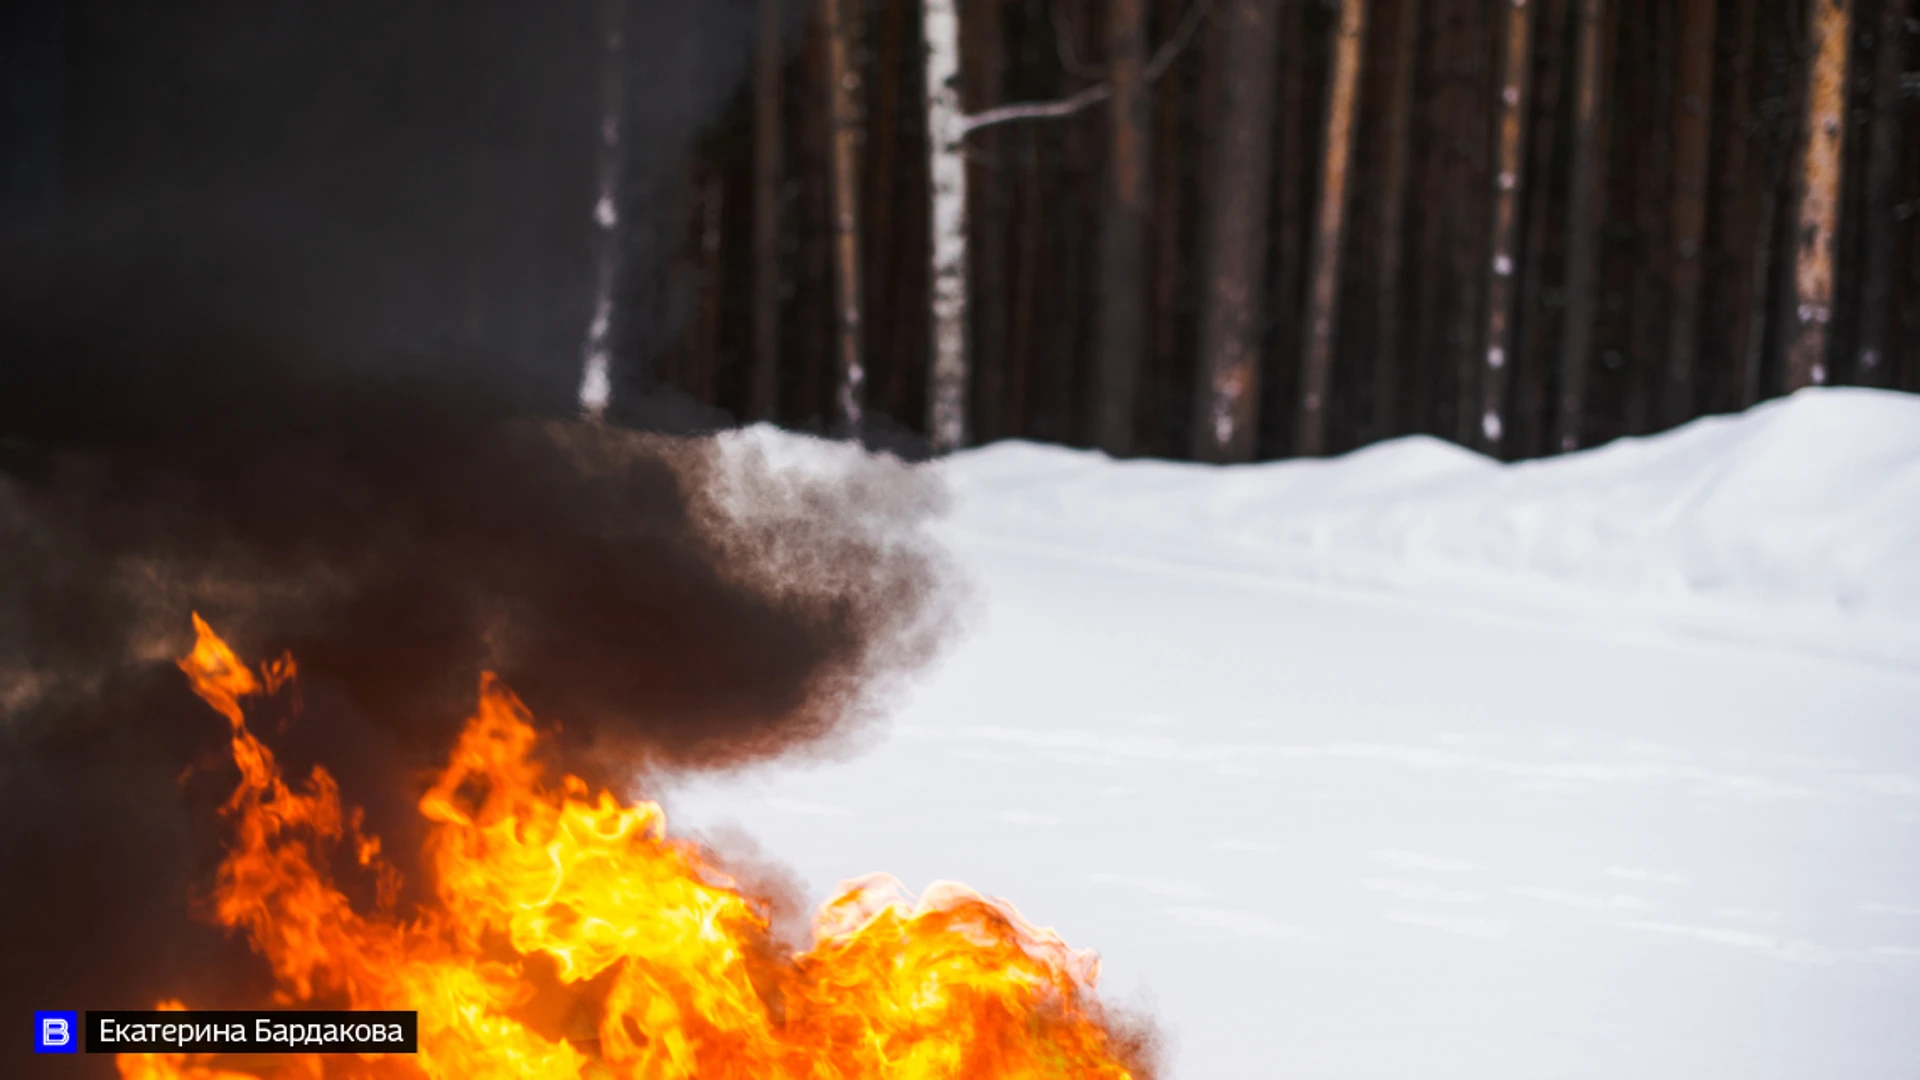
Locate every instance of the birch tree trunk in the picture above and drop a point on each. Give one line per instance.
(1508, 178)
(1823, 141)
(764, 385)
(947, 386)
(1692, 123)
(1323, 296)
(1584, 216)
(1227, 400)
(1121, 335)
(843, 109)
(1883, 176)
(1393, 192)
(596, 354)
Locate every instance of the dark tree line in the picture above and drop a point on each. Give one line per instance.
(1523, 226)
(1187, 228)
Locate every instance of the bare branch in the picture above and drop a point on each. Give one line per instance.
(1190, 24)
(1037, 110)
(1163, 59)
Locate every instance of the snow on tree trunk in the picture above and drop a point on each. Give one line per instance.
(842, 107)
(1226, 420)
(1508, 177)
(1585, 213)
(596, 386)
(1323, 304)
(947, 387)
(1823, 142)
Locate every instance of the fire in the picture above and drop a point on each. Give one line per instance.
(665, 967)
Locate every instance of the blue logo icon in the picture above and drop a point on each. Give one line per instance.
(56, 1033)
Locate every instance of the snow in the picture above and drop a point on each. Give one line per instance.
(1411, 764)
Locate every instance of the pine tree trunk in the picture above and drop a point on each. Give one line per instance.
(1031, 252)
(1323, 297)
(843, 109)
(1739, 199)
(983, 68)
(1171, 260)
(947, 171)
(1653, 58)
(1227, 407)
(1465, 261)
(596, 360)
(1584, 215)
(1529, 406)
(1292, 194)
(713, 287)
(1692, 123)
(1387, 361)
(1883, 177)
(887, 319)
(1122, 331)
(1509, 178)
(764, 384)
(1823, 140)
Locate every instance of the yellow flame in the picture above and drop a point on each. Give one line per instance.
(569, 936)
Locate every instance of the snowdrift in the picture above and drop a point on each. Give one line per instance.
(1797, 522)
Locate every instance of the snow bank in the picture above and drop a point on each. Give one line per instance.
(1799, 518)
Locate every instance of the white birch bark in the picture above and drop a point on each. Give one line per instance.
(596, 387)
(947, 388)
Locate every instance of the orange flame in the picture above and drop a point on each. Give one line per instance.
(665, 966)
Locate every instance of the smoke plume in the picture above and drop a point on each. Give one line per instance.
(297, 352)
(669, 601)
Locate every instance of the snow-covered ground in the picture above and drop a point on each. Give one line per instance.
(1412, 765)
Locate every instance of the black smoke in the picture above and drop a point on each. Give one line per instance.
(296, 349)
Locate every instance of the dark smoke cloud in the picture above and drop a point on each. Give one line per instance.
(671, 601)
(297, 351)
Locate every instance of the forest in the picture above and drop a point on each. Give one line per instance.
(1250, 229)
(1216, 229)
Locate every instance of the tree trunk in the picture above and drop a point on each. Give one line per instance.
(1584, 215)
(1883, 177)
(983, 67)
(764, 385)
(1692, 123)
(1226, 421)
(1652, 57)
(1823, 139)
(887, 319)
(843, 109)
(1393, 193)
(1529, 407)
(596, 386)
(1171, 259)
(1122, 334)
(1292, 194)
(1739, 198)
(1509, 176)
(713, 286)
(1466, 102)
(947, 171)
(1323, 298)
